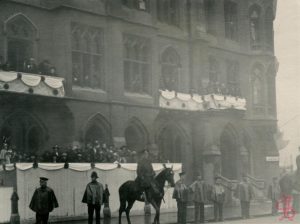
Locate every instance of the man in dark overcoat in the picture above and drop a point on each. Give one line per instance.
(43, 202)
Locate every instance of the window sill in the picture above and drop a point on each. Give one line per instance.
(138, 95)
(88, 89)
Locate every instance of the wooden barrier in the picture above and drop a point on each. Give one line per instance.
(5, 204)
(69, 186)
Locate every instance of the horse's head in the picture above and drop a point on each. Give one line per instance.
(169, 175)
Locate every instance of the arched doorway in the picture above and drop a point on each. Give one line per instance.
(21, 36)
(229, 154)
(24, 131)
(97, 128)
(172, 143)
(136, 135)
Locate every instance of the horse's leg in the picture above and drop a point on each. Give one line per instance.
(121, 209)
(154, 204)
(158, 215)
(127, 210)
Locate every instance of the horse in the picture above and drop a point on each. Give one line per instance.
(130, 191)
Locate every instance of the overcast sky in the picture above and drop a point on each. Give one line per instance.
(287, 47)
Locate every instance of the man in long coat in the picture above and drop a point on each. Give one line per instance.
(200, 189)
(43, 202)
(93, 197)
(245, 194)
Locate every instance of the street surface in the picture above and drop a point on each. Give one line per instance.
(171, 219)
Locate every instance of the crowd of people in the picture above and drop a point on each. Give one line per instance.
(90, 152)
(30, 66)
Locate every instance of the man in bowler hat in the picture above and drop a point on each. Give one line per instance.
(93, 197)
(181, 195)
(43, 202)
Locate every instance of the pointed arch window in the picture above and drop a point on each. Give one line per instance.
(137, 75)
(231, 20)
(255, 27)
(168, 11)
(170, 70)
(21, 39)
(87, 56)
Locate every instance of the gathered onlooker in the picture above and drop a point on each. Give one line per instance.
(200, 189)
(30, 66)
(3, 153)
(218, 198)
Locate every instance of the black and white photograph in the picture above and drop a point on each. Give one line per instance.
(149, 111)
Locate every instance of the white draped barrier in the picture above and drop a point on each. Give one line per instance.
(5, 204)
(69, 185)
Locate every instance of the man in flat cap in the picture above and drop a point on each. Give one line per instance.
(93, 197)
(43, 202)
(181, 195)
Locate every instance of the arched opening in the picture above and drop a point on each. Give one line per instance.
(136, 136)
(34, 139)
(97, 128)
(21, 35)
(170, 64)
(24, 131)
(171, 143)
(229, 154)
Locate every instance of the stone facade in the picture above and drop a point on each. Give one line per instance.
(116, 55)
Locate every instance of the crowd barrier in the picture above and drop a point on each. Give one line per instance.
(5, 204)
(69, 185)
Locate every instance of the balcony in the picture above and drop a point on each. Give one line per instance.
(194, 102)
(27, 83)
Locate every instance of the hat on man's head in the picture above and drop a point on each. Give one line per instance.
(44, 178)
(94, 174)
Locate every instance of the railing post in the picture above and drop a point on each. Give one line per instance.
(15, 217)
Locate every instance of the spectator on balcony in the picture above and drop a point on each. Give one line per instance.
(218, 198)
(200, 189)
(245, 194)
(2, 63)
(52, 71)
(7, 66)
(30, 66)
(44, 67)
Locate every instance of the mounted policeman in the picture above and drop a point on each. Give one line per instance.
(145, 173)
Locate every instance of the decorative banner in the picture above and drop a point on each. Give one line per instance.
(87, 166)
(31, 83)
(195, 102)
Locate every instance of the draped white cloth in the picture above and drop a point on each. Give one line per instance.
(183, 101)
(87, 166)
(48, 86)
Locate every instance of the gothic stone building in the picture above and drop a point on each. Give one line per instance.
(121, 59)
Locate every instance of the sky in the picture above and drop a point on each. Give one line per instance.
(287, 51)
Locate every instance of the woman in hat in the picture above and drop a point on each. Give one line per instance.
(93, 197)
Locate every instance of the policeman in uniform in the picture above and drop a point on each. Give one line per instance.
(43, 202)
